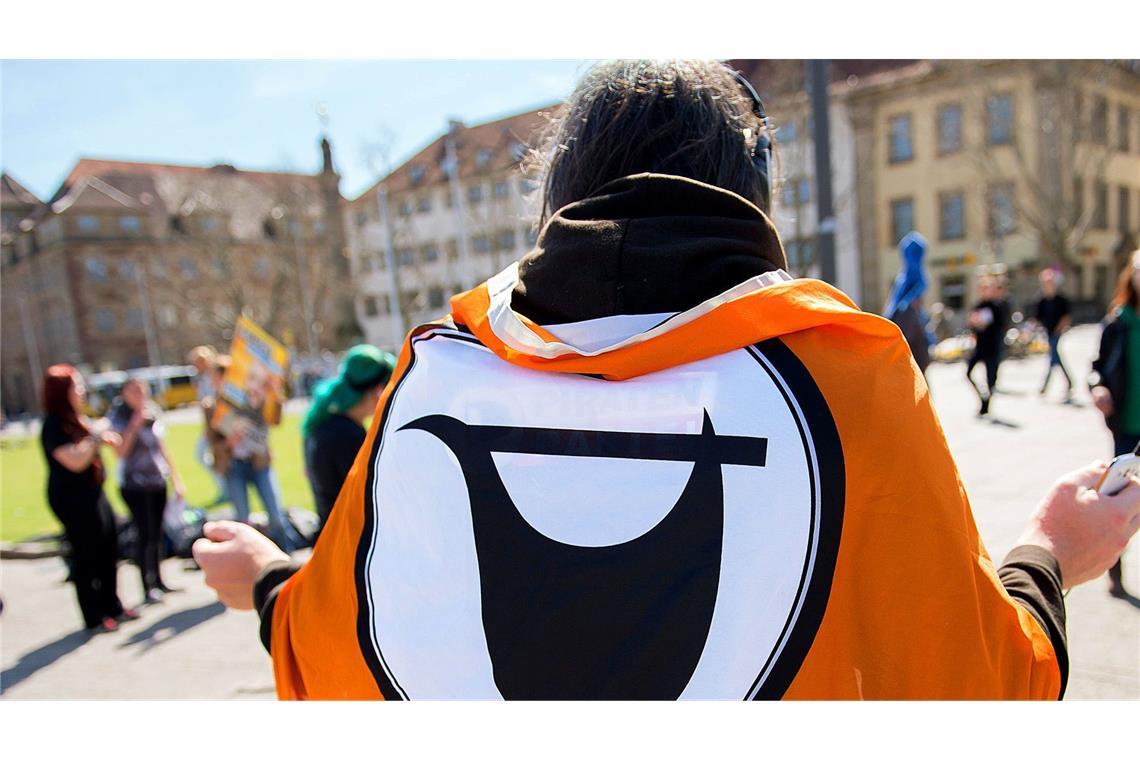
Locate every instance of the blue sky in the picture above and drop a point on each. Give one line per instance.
(253, 114)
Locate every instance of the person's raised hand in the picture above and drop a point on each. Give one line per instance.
(1086, 531)
(231, 556)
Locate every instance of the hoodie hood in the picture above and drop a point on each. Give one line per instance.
(911, 281)
(644, 244)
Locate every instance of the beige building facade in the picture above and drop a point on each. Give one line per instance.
(1013, 165)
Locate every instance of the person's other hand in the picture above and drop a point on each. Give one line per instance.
(231, 556)
(1102, 398)
(1084, 530)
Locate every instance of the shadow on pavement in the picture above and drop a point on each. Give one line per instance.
(999, 422)
(31, 662)
(1127, 597)
(175, 623)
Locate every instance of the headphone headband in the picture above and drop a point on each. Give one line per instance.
(762, 151)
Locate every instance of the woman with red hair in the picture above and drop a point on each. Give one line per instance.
(75, 493)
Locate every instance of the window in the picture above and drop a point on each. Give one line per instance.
(1098, 123)
(134, 319)
(482, 157)
(949, 129)
(423, 205)
(261, 268)
(527, 185)
(210, 224)
(417, 173)
(518, 151)
(481, 244)
(371, 307)
(130, 223)
(104, 320)
(1123, 129)
(1124, 199)
(361, 218)
(187, 268)
(429, 253)
(318, 228)
(531, 234)
(167, 316)
(407, 206)
(95, 268)
(88, 223)
(475, 194)
(788, 194)
(902, 218)
(1100, 205)
(502, 189)
(786, 134)
(804, 191)
(219, 267)
(1001, 207)
(505, 240)
(452, 248)
(405, 257)
(901, 148)
(999, 119)
(800, 255)
(435, 298)
(127, 270)
(952, 213)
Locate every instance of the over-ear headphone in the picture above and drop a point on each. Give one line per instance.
(762, 151)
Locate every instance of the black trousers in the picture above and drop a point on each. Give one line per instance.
(1122, 443)
(90, 528)
(992, 362)
(147, 505)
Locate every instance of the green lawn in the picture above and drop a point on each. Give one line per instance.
(24, 511)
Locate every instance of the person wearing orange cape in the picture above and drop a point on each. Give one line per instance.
(645, 463)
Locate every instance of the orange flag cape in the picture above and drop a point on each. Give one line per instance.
(752, 499)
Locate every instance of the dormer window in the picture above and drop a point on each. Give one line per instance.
(417, 173)
(130, 223)
(518, 151)
(88, 223)
(482, 157)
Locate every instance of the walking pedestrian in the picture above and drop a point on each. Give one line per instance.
(1115, 378)
(72, 445)
(145, 466)
(988, 320)
(1054, 315)
(333, 428)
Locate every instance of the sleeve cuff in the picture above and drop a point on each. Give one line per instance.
(265, 589)
(1031, 575)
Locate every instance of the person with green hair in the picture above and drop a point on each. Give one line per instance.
(333, 428)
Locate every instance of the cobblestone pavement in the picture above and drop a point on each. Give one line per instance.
(189, 647)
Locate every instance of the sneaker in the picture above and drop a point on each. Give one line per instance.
(128, 613)
(985, 408)
(109, 625)
(155, 596)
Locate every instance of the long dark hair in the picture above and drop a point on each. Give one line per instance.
(685, 118)
(58, 382)
(1125, 294)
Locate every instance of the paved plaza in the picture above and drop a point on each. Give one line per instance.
(190, 647)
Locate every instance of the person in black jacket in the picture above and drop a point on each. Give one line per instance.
(333, 429)
(988, 319)
(1115, 379)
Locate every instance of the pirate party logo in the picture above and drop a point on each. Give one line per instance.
(560, 537)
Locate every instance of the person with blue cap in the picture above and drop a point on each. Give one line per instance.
(904, 307)
(333, 429)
